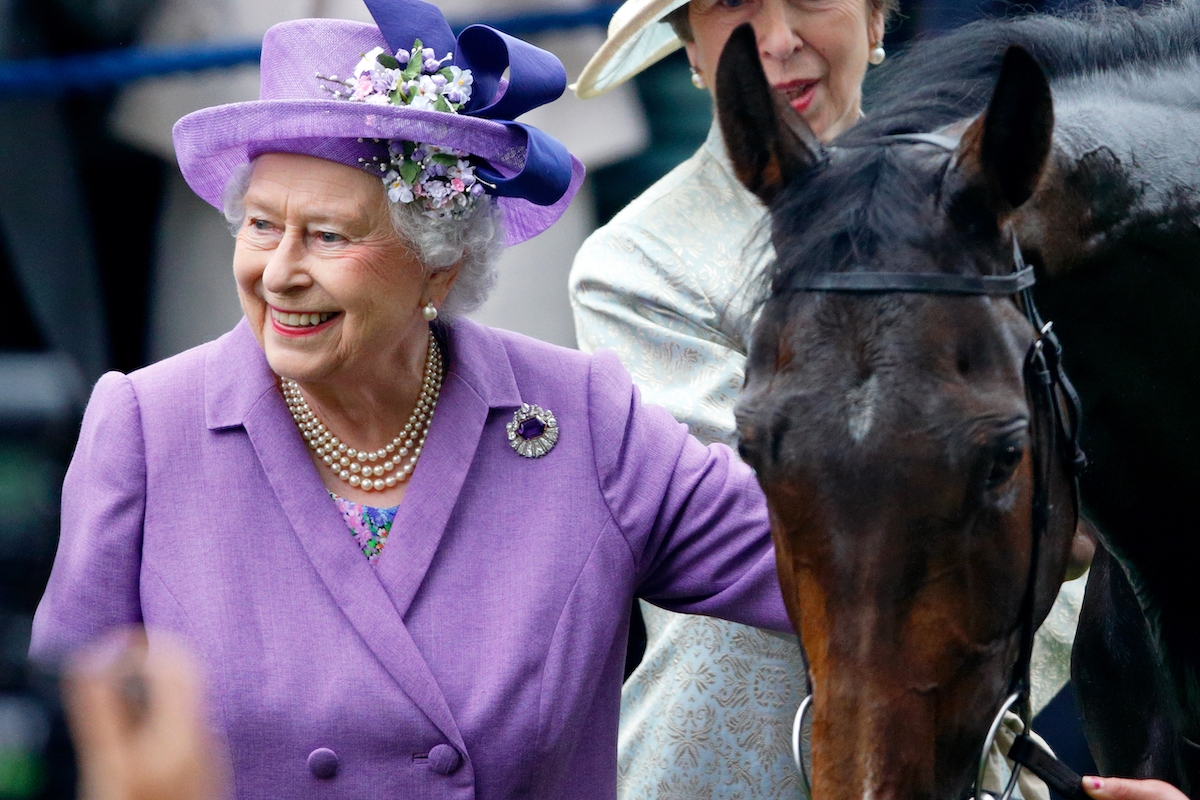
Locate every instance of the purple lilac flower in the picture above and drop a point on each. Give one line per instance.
(385, 79)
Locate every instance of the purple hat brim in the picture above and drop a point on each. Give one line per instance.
(212, 143)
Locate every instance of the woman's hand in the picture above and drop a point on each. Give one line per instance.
(136, 717)
(1129, 789)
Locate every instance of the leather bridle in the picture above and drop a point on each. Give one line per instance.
(1054, 428)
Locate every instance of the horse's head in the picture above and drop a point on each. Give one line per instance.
(892, 432)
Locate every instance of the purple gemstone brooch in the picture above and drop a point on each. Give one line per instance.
(533, 431)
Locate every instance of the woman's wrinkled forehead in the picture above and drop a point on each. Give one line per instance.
(679, 17)
(316, 189)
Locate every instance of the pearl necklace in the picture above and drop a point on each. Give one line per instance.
(383, 468)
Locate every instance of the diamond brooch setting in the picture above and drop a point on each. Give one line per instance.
(533, 431)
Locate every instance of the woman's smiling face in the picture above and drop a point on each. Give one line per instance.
(330, 290)
(813, 51)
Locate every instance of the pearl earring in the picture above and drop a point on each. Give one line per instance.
(877, 54)
(697, 78)
(429, 312)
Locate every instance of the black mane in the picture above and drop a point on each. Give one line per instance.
(870, 193)
(940, 80)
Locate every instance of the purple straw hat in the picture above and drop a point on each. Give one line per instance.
(304, 107)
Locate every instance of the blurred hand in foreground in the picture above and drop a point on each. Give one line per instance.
(1130, 789)
(136, 714)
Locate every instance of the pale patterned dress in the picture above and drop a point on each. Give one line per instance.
(668, 285)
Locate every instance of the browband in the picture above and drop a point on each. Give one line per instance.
(920, 282)
(915, 282)
(935, 139)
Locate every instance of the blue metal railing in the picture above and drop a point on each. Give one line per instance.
(93, 72)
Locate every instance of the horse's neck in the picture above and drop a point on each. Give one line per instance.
(1125, 150)
(1115, 224)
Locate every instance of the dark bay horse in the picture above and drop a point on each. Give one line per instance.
(892, 431)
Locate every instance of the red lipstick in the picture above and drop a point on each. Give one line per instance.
(301, 330)
(799, 93)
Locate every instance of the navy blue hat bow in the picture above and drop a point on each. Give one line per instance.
(535, 77)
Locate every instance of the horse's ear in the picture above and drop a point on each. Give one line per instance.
(769, 143)
(1004, 151)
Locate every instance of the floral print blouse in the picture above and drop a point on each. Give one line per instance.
(368, 525)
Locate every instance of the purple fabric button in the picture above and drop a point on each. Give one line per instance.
(444, 759)
(531, 428)
(323, 763)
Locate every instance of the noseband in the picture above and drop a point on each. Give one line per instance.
(1054, 424)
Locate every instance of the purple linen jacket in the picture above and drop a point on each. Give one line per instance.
(482, 657)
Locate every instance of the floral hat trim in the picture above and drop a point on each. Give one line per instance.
(442, 179)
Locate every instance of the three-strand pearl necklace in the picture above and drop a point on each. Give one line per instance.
(379, 469)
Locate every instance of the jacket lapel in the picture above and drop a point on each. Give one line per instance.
(240, 391)
(478, 378)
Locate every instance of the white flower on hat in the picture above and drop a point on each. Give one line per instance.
(427, 89)
(423, 102)
(399, 191)
(458, 89)
(369, 60)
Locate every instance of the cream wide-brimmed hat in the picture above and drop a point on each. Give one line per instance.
(638, 36)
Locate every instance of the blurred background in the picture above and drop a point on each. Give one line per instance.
(108, 261)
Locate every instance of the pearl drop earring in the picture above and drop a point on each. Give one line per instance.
(429, 312)
(877, 54)
(697, 78)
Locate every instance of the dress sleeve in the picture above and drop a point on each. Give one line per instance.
(693, 515)
(94, 585)
(631, 293)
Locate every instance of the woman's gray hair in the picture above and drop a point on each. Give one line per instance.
(474, 242)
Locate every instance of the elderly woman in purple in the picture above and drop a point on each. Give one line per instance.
(404, 545)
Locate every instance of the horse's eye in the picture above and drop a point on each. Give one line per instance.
(1005, 459)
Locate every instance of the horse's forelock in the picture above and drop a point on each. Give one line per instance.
(864, 204)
